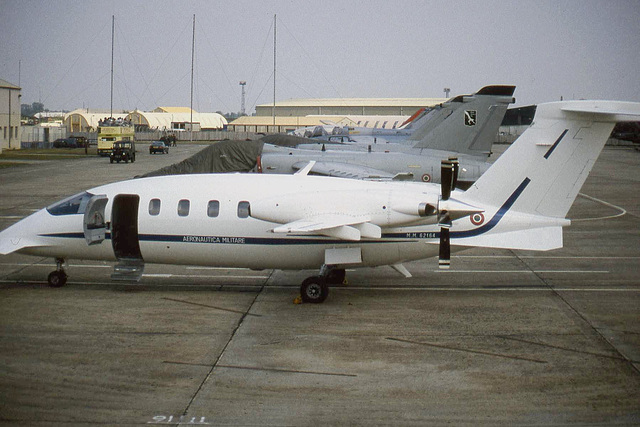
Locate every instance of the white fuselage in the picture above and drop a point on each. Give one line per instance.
(228, 240)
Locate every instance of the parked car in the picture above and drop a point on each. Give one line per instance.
(158, 147)
(65, 143)
(123, 151)
(71, 142)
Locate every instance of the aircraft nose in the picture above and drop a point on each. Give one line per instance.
(22, 234)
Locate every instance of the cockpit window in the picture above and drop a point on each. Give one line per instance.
(71, 206)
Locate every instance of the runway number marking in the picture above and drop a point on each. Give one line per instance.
(182, 419)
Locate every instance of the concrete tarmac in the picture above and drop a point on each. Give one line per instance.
(503, 338)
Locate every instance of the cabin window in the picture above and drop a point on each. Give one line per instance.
(72, 205)
(213, 208)
(154, 207)
(183, 207)
(244, 209)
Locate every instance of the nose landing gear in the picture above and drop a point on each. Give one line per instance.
(58, 278)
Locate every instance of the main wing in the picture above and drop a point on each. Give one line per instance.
(342, 227)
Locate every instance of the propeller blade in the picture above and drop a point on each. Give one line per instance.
(456, 171)
(444, 260)
(446, 177)
(444, 219)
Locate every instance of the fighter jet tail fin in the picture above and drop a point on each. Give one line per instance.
(466, 124)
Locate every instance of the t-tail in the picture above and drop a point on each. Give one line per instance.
(465, 124)
(531, 187)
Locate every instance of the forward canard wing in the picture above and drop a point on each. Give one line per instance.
(342, 227)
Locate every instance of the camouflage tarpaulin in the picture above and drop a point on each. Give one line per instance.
(224, 156)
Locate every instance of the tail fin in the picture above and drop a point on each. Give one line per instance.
(543, 171)
(466, 124)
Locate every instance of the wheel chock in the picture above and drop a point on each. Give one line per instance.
(297, 300)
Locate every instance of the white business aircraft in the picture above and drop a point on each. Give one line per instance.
(304, 222)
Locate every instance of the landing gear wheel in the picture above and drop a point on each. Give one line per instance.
(57, 278)
(314, 290)
(336, 276)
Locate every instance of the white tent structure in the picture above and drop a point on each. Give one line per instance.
(85, 120)
(177, 121)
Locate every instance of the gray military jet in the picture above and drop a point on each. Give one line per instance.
(463, 127)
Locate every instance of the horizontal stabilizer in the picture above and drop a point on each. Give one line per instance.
(534, 239)
(622, 111)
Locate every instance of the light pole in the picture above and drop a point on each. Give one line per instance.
(242, 84)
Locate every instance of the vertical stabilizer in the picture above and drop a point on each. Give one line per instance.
(549, 163)
(467, 124)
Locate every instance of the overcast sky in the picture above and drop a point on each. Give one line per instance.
(325, 49)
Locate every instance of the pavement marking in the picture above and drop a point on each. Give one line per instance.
(200, 276)
(547, 257)
(291, 371)
(211, 306)
(484, 353)
(230, 286)
(256, 368)
(622, 210)
(523, 271)
(607, 356)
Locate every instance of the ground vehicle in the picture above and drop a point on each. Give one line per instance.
(158, 147)
(110, 132)
(123, 151)
(64, 143)
(70, 142)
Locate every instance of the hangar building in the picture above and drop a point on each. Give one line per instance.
(367, 112)
(348, 106)
(9, 115)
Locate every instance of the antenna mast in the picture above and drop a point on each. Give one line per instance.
(193, 45)
(274, 69)
(242, 105)
(113, 21)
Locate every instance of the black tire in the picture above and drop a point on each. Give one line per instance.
(314, 290)
(57, 279)
(336, 276)
(111, 160)
(133, 158)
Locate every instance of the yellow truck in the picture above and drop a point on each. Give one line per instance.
(110, 132)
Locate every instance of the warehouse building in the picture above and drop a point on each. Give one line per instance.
(9, 116)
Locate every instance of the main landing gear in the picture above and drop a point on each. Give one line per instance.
(58, 278)
(315, 289)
